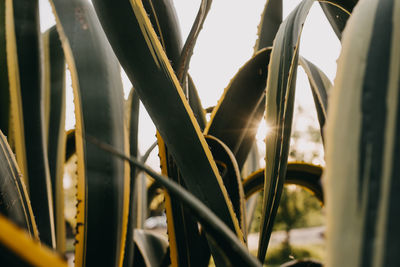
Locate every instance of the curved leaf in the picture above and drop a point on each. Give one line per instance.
(165, 23)
(134, 216)
(281, 86)
(187, 49)
(141, 54)
(152, 248)
(217, 231)
(18, 249)
(320, 86)
(231, 176)
(271, 19)
(23, 41)
(103, 181)
(363, 128)
(54, 82)
(303, 174)
(187, 246)
(4, 84)
(241, 107)
(14, 200)
(338, 12)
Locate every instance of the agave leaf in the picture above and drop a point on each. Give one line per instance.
(103, 181)
(187, 50)
(251, 165)
(303, 174)
(181, 226)
(135, 184)
(271, 18)
(237, 114)
(320, 86)
(18, 249)
(152, 248)
(165, 23)
(23, 41)
(4, 84)
(218, 232)
(362, 177)
(187, 246)
(338, 12)
(195, 104)
(54, 82)
(141, 54)
(14, 200)
(231, 176)
(281, 86)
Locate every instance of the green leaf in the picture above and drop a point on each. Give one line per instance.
(239, 111)
(18, 249)
(165, 23)
(229, 170)
(103, 181)
(14, 199)
(4, 84)
(141, 55)
(362, 140)
(134, 217)
(54, 83)
(195, 104)
(338, 12)
(303, 174)
(271, 19)
(187, 50)
(320, 85)
(281, 86)
(236, 254)
(151, 247)
(24, 63)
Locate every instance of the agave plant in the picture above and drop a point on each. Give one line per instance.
(204, 162)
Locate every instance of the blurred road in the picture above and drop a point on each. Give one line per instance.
(302, 236)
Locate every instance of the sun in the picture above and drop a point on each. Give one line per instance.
(263, 130)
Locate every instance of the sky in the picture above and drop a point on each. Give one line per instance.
(224, 45)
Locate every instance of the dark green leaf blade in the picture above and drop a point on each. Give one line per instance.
(135, 186)
(22, 22)
(54, 83)
(103, 181)
(362, 137)
(320, 85)
(238, 112)
(280, 93)
(338, 12)
(271, 19)
(235, 252)
(14, 199)
(141, 54)
(152, 247)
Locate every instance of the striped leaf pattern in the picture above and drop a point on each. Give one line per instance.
(103, 180)
(362, 178)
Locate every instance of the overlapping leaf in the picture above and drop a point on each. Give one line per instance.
(54, 82)
(141, 54)
(303, 174)
(222, 238)
(103, 181)
(236, 117)
(14, 199)
(18, 249)
(279, 113)
(23, 41)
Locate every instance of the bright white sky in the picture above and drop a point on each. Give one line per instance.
(226, 43)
